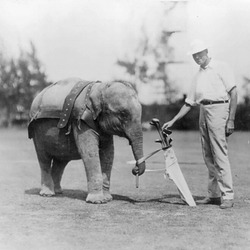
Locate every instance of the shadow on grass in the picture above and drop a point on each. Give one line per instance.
(82, 195)
(170, 199)
(78, 194)
(69, 193)
(176, 199)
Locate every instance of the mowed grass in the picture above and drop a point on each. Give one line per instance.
(147, 218)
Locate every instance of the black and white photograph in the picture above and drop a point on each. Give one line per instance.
(124, 124)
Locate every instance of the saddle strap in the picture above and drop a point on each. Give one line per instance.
(70, 101)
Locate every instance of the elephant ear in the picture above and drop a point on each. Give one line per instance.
(94, 103)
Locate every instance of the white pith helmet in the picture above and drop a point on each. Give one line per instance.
(197, 46)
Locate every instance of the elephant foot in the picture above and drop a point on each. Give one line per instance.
(58, 190)
(96, 198)
(45, 191)
(107, 196)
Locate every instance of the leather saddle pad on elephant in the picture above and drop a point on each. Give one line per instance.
(51, 102)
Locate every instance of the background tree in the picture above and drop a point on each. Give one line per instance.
(246, 90)
(149, 65)
(20, 80)
(242, 118)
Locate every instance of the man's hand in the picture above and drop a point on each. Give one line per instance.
(229, 127)
(168, 125)
(183, 111)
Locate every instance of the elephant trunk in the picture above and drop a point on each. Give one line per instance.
(136, 142)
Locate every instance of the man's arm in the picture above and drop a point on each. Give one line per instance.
(232, 111)
(183, 111)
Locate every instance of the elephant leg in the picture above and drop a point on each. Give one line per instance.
(57, 172)
(47, 184)
(87, 141)
(106, 158)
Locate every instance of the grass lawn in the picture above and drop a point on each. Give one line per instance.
(151, 217)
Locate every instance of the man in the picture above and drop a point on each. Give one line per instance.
(214, 89)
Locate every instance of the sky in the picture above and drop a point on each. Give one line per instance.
(85, 38)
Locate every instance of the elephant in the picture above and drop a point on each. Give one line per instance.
(100, 111)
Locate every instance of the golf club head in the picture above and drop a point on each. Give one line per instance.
(155, 122)
(167, 131)
(165, 141)
(158, 141)
(166, 134)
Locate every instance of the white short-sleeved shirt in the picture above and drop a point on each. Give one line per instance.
(212, 83)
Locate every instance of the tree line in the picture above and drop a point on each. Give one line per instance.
(21, 79)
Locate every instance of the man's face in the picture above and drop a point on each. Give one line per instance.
(201, 57)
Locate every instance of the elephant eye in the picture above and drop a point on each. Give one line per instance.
(125, 114)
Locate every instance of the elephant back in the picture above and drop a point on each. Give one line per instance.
(57, 101)
(52, 98)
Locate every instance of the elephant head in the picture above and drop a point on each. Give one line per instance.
(116, 109)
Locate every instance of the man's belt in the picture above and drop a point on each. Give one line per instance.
(208, 102)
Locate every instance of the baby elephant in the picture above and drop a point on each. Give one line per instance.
(75, 119)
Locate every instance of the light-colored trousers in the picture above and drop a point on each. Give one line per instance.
(212, 124)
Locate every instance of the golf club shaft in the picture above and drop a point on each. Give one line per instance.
(137, 181)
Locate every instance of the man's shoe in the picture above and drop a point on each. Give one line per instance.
(207, 200)
(226, 204)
